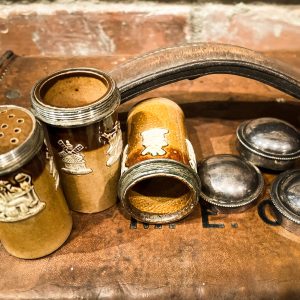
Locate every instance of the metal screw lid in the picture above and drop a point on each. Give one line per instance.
(99, 89)
(271, 138)
(21, 137)
(229, 181)
(285, 194)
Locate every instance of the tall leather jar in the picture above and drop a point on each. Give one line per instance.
(159, 182)
(34, 216)
(78, 107)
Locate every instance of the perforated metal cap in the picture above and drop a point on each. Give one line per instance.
(21, 137)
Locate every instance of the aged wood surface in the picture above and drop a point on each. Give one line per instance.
(204, 256)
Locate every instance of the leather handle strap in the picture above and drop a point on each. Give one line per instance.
(190, 61)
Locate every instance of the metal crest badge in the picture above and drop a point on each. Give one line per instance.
(114, 139)
(124, 159)
(53, 171)
(192, 155)
(154, 140)
(73, 158)
(18, 199)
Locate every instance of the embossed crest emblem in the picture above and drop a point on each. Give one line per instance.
(53, 171)
(154, 140)
(18, 199)
(72, 158)
(114, 139)
(124, 159)
(192, 155)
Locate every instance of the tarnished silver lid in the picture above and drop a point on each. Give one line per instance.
(75, 97)
(285, 194)
(270, 138)
(21, 137)
(229, 181)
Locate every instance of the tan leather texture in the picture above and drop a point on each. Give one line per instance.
(156, 113)
(240, 256)
(81, 192)
(190, 61)
(156, 134)
(45, 231)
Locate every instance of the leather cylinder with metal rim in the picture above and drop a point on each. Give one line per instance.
(159, 182)
(78, 107)
(34, 216)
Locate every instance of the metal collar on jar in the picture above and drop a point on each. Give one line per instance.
(158, 167)
(75, 116)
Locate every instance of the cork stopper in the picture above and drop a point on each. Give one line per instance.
(15, 127)
(21, 137)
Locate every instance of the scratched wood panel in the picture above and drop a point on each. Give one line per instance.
(205, 256)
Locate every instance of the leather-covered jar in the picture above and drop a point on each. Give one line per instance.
(78, 107)
(34, 216)
(159, 182)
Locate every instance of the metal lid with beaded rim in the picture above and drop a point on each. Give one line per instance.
(229, 182)
(269, 143)
(285, 194)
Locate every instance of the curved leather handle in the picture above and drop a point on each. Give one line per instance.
(189, 61)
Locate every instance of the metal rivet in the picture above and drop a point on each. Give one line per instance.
(13, 94)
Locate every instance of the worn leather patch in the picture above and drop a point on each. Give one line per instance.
(204, 256)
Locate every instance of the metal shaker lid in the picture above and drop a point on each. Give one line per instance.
(229, 181)
(285, 194)
(21, 137)
(75, 97)
(271, 138)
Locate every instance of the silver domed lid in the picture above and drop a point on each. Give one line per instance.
(229, 181)
(270, 138)
(285, 194)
